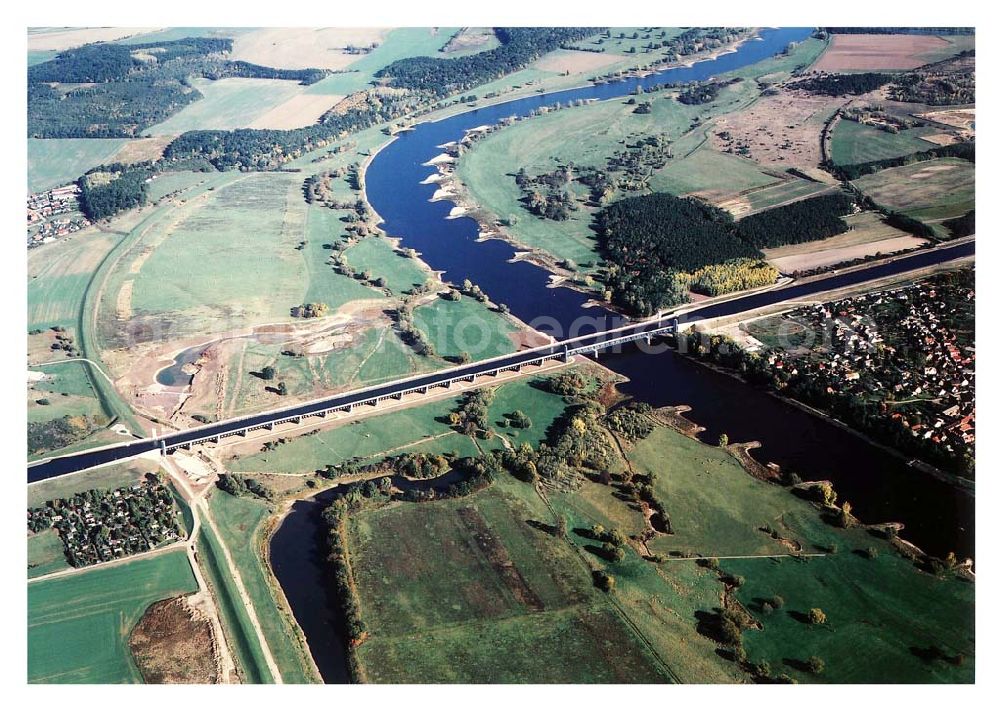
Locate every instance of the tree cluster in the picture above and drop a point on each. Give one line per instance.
(519, 46)
(116, 90)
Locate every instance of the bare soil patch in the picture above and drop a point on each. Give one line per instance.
(832, 256)
(863, 52)
(471, 39)
(940, 139)
(570, 61)
(297, 112)
(303, 47)
(173, 643)
(783, 130)
(143, 150)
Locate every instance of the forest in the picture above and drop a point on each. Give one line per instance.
(519, 46)
(964, 225)
(109, 189)
(798, 222)
(844, 84)
(128, 88)
(657, 245)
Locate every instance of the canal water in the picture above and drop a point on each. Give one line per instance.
(880, 486)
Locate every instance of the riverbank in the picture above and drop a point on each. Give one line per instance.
(966, 485)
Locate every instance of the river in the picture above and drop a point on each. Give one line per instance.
(881, 487)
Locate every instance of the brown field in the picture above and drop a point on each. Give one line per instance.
(303, 47)
(567, 60)
(297, 112)
(868, 236)
(779, 130)
(940, 138)
(58, 40)
(470, 40)
(173, 644)
(961, 118)
(143, 150)
(863, 52)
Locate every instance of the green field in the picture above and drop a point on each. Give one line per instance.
(470, 592)
(854, 142)
(247, 230)
(523, 394)
(930, 191)
(58, 275)
(240, 522)
(171, 182)
(706, 170)
(376, 255)
(881, 614)
(785, 192)
(586, 136)
(45, 553)
(374, 355)
(422, 428)
(78, 626)
(240, 634)
(883, 606)
(366, 438)
(227, 104)
(68, 390)
(398, 44)
(465, 326)
(52, 163)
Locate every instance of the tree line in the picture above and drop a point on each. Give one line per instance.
(850, 172)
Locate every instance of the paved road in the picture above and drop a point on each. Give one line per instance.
(58, 466)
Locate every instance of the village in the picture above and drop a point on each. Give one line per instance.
(43, 209)
(909, 350)
(97, 526)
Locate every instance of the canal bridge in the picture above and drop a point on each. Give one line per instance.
(350, 401)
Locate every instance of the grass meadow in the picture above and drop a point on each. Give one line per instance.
(884, 607)
(228, 104)
(930, 191)
(376, 255)
(78, 626)
(241, 521)
(398, 44)
(465, 326)
(240, 634)
(45, 553)
(854, 142)
(472, 592)
(54, 162)
(421, 428)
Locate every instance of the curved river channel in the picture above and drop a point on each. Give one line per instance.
(880, 486)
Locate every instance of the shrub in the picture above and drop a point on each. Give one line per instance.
(817, 617)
